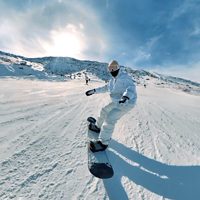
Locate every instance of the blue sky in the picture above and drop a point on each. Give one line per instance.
(155, 35)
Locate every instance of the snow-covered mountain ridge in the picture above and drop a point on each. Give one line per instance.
(64, 68)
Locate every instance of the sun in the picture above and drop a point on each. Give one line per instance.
(65, 43)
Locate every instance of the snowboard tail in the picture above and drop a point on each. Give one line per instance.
(101, 170)
(98, 162)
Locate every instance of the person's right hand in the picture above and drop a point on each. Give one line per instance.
(90, 92)
(123, 101)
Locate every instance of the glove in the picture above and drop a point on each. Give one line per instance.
(90, 92)
(123, 101)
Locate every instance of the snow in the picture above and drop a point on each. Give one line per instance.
(154, 150)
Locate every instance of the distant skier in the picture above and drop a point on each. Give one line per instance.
(123, 94)
(86, 79)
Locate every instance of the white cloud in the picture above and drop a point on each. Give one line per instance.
(152, 41)
(142, 55)
(81, 26)
(185, 7)
(196, 29)
(190, 72)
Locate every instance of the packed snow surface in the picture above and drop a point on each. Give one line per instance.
(154, 151)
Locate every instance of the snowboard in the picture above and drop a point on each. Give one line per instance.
(98, 162)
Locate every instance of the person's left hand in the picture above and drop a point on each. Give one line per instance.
(123, 101)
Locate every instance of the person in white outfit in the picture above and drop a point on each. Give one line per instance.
(123, 95)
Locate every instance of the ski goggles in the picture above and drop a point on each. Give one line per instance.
(112, 68)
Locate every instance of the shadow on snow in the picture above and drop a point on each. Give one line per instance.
(173, 182)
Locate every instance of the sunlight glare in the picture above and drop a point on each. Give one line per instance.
(66, 43)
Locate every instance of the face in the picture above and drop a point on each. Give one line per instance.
(112, 68)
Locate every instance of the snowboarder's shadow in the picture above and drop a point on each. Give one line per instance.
(169, 181)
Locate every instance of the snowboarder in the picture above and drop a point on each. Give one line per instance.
(123, 95)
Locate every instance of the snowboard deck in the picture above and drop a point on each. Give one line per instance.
(98, 162)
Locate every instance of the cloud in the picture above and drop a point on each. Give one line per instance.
(190, 72)
(186, 6)
(34, 22)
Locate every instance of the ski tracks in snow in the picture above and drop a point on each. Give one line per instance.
(43, 137)
(43, 143)
(160, 130)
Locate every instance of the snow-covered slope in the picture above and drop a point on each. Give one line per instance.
(154, 149)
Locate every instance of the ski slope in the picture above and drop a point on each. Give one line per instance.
(154, 151)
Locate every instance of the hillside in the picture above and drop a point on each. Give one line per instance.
(64, 68)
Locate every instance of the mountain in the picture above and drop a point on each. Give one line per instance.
(65, 68)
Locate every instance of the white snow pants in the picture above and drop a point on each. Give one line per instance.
(108, 118)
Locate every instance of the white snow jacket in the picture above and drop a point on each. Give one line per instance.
(121, 85)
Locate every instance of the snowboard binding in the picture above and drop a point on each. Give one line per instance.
(92, 126)
(91, 120)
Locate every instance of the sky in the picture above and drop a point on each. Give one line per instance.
(154, 35)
